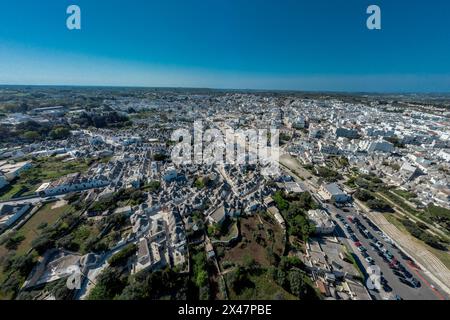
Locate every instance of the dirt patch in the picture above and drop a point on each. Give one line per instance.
(59, 204)
(260, 236)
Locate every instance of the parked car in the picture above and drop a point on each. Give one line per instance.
(398, 274)
(387, 288)
(415, 282)
(408, 274)
(370, 260)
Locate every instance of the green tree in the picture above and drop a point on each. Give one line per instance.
(60, 133)
(31, 136)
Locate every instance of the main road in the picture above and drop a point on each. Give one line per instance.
(428, 290)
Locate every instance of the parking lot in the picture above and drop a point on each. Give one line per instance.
(400, 277)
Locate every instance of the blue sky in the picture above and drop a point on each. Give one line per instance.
(258, 44)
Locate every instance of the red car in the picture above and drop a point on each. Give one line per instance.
(393, 263)
(358, 244)
(412, 264)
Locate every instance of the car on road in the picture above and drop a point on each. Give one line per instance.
(370, 260)
(398, 274)
(408, 274)
(387, 288)
(404, 281)
(389, 255)
(412, 264)
(415, 282)
(395, 262)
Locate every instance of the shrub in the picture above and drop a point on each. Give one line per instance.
(122, 256)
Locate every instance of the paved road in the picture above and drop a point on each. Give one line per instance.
(427, 289)
(21, 201)
(31, 201)
(343, 237)
(435, 269)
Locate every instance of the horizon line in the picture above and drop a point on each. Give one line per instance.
(229, 89)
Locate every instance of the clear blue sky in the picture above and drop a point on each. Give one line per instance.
(260, 44)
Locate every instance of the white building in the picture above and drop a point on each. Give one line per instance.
(330, 149)
(315, 132)
(3, 182)
(322, 221)
(299, 123)
(12, 170)
(332, 192)
(10, 214)
(71, 183)
(381, 145)
(170, 174)
(345, 133)
(444, 155)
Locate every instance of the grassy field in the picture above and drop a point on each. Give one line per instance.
(405, 194)
(444, 256)
(43, 170)
(3, 252)
(48, 214)
(263, 288)
(256, 238)
(11, 191)
(232, 231)
(83, 233)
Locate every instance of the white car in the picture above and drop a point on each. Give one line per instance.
(369, 260)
